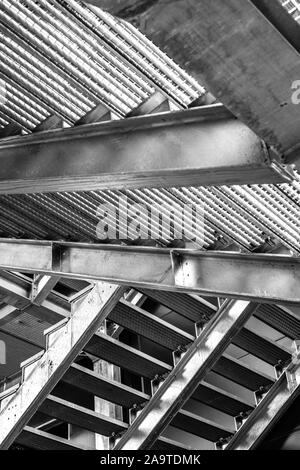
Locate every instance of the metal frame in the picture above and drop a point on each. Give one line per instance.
(244, 80)
(41, 373)
(41, 287)
(225, 274)
(204, 145)
(271, 407)
(191, 368)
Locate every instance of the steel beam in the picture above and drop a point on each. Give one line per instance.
(233, 48)
(80, 416)
(269, 410)
(13, 294)
(127, 357)
(258, 277)
(103, 387)
(64, 343)
(150, 326)
(41, 440)
(85, 261)
(17, 294)
(124, 356)
(203, 146)
(241, 373)
(186, 375)
(41, 288)
(238, 275)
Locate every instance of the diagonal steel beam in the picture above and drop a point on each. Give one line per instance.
(64, 343)
(233, 48)
(186, 375)
(281, 19)
(41, 288)
(269, 410)
(258, 277)
(17, 294)
(204, 145)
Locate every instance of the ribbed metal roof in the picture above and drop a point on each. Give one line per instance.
(63, 58)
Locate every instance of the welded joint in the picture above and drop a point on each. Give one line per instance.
(221, 242)
(179, 353)
(111, 328)
(64, 348)
(58, 252)
(280, 367)
(277, 161)
(222, 443)
(152, 105)
(82, 293)
(296, 346)
(292, 371)
(9, 391)
(261, 393)
(114, 438)
(157, 382)
(56, 326)
(201, 324)
(178, 271)
(27, 366)
(269, 244)
(41, 287)
(201, 356)
(99, 113)
(53, 329)
(34, 287)
(8, 395)
(240, 419)
(291, 380)
(286, 172)
(103, 327)
(135, 411)
(28, 363)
